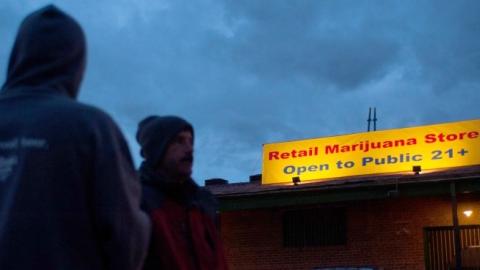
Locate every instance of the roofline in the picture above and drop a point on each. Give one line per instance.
(348, 185)
(355, 192)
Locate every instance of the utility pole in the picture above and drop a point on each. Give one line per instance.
(456, 228)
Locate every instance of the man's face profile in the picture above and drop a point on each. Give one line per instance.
(178, 159)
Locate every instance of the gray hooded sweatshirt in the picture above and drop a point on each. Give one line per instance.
(69, 195)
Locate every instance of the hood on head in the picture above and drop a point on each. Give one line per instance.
(155, 133)
(49, 52)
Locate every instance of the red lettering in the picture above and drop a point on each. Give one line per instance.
(451, 137)
(354, 147)
(430, 138)
(295, 153)
(272, 155)
(442, 137)
(473, 134)
(331, 149)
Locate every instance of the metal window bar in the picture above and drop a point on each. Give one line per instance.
(314, 227)
(439, 247)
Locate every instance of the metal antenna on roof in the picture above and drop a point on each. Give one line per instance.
(369, 118)
(374, 119)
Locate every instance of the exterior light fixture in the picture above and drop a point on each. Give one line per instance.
(296, 180)
(468, 213)
(417, 169)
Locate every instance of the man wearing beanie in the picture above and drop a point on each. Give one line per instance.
(184, 234)
(69, 195)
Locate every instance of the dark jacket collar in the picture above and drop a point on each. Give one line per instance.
(183, 192)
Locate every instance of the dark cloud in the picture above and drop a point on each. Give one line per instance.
(309, 39)
(446, 43)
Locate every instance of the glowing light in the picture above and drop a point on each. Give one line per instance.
(468, 213)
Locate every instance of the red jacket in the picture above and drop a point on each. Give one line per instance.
(184, 235)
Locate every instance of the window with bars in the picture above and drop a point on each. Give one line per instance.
(314, 227)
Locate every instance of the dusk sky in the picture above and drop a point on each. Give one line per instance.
(245, 73)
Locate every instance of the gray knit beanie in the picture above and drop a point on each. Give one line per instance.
(155, 133)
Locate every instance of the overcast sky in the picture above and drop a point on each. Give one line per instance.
(251, 72)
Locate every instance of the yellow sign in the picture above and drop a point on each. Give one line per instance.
(390, 151)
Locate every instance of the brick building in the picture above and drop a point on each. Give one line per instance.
(394, 221)
(394, 199)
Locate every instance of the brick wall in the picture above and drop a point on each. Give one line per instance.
(387, 234)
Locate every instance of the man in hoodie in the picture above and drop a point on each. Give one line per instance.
(69, 195)
(184, 235)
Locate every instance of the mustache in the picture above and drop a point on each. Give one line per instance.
(188, 158)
